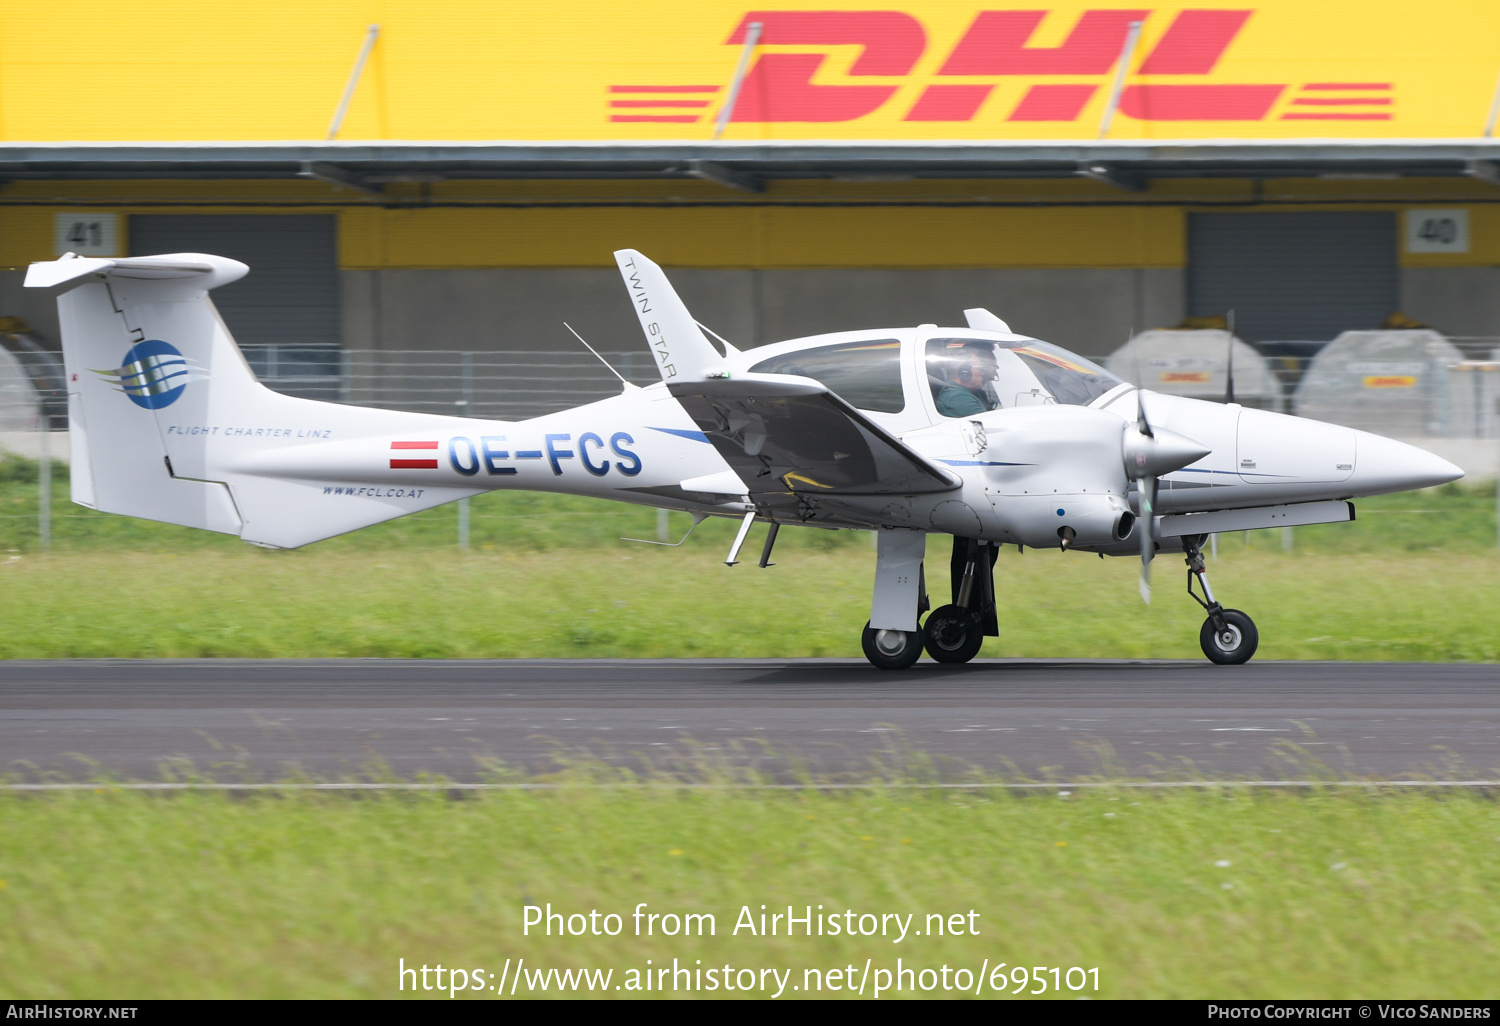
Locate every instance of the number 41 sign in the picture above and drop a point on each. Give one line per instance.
(1437, 231)
(86, 234)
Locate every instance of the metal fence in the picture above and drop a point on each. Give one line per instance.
(1451, 398)
(32, 389)
(1457, 399)
(498, 386)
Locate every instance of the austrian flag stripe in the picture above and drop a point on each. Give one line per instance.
(413, 464)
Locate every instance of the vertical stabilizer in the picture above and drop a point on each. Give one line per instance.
(131, 348)
(168, 422)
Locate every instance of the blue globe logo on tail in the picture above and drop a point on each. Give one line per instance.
(154, 374)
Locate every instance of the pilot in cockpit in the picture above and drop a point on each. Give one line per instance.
(965, 374)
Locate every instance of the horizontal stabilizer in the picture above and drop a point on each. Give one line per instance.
(213, 270)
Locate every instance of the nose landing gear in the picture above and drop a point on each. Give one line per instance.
(1228, 637)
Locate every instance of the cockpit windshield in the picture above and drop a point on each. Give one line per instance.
(969, 376)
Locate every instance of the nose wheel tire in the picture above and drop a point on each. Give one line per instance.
(891, 650)
(1233, 645)
(953, 634)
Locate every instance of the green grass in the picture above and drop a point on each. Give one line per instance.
(651, 602)
(125, 895)
(1224, 894)
(1453, 518)
(506, 521)
(1417, 577)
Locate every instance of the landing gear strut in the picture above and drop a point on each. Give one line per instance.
(1228, 637)
(892, 639)
(954, 633)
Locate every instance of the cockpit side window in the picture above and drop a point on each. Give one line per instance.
(970, 376)
(962, 374)
(866, 375)
(1072, 380)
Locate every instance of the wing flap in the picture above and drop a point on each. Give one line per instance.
(784, 434)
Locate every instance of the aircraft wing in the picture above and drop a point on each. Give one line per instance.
(784, 434)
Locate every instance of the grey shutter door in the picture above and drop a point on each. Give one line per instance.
(291, 294)
(1293, 275)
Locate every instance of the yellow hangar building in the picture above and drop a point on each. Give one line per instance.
(455, 175)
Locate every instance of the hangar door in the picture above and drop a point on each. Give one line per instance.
(291, 294)
(1293, 276)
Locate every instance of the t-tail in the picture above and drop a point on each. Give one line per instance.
(167, 421)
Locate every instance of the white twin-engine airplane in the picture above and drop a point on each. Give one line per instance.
(976, 432)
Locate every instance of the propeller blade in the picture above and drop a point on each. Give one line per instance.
(1147, 520)
(1229, 373)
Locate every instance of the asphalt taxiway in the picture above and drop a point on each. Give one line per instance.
(837, 719)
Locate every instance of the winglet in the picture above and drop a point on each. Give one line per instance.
(982, 320)
(682, 351)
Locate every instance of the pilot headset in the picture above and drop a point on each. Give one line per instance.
(966, 368)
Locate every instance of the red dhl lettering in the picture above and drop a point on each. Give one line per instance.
(779, 86)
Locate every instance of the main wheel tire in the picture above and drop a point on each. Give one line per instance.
(1235, 645)
(891, 650)
(953, 634)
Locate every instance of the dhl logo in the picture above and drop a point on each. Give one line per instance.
(1391, 381)
(997, 45)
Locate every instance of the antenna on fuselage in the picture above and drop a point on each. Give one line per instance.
(628, 385)
(1229, 375)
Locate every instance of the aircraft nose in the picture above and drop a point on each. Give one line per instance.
(1386, 465)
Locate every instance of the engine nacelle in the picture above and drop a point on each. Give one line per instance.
(1057, 477)
(1065, 520)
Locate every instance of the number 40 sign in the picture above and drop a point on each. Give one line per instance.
(87, 234)
(1437, 231)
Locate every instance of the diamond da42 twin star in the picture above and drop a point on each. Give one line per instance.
(977, 432)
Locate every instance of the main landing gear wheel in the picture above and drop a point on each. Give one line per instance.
(953, 634)
(891, 650)
(1232, 645)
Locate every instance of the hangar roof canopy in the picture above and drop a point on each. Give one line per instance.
(747, 166)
